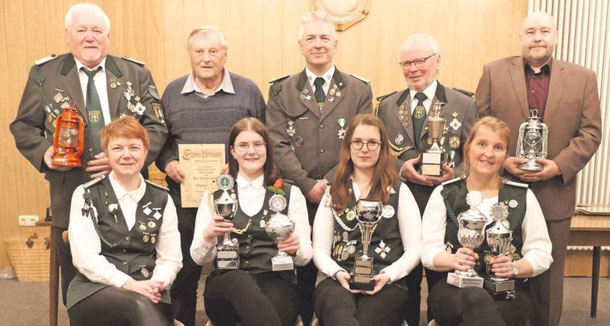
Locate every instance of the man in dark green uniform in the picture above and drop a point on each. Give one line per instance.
(103, 87)
(307, 115)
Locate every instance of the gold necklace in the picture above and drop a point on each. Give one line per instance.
(242, 231)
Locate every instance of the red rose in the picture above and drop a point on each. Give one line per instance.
(279, 184)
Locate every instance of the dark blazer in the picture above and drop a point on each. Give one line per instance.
(312, 151)
(572, 114)
(33, 127)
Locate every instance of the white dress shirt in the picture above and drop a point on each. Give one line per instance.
(430, 92)
(327, 76)
(100, 85)
(251, 197)
(86, 246)
(536, 242)
(409, 223)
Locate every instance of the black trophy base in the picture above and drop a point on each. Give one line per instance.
(227, 259)
(499, 286)
(363, 283)
(431, 164)
(362, 278)
(503, 295)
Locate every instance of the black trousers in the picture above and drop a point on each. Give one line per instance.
(336, 306)
(64, 258)
(252, 300)
(117, 306)
(475, 307)
(307, 276)
(184, 289)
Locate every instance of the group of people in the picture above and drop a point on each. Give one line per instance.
(135, 254)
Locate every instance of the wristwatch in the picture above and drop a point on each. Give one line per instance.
(515, 270)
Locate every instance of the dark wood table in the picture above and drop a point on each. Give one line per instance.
(591, 231)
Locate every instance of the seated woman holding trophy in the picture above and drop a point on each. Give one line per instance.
(254, 230)
(124, 239)
(366, 233)
(488, 233)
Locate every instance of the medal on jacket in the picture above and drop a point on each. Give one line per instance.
(290, 131)
(342, 131)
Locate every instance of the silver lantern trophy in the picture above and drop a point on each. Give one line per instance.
(471, 234)
(368, 213)
(532, 142)
(432, 158)
(499, 239)
(227, 256)
(280, 227)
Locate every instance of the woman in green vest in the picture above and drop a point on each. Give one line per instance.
(482, 192)
(123, 237)
(254, 294)
(365, 171)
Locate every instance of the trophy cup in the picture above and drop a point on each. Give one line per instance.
(432, 158)
(279, 227)
(368, 213)
(227, 256)
(499, 238)
(532, 142)
(68, 137)
(471, 234)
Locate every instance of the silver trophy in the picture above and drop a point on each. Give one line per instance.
(432, 158)
(499, 239)
(368, 213)
(532, 142)
(471, 234)
(227, 256)
(280, 227)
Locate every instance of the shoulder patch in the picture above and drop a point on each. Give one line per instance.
(452, 180)
(46, 59)
(516, 184)
(465, 92)
(380, 98)
(156, 185)
(280, 78)
(361, 78)
(134, 61)
(94, 181)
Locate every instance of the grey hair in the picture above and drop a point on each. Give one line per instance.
(90, 8)
(421, 38)
(318, 16)
(204, 30)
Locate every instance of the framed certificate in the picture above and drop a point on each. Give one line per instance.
(201, 164)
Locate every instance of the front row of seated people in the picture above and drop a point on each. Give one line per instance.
(126, 246)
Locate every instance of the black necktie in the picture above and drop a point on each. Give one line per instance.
(95, 118)
(319, 92)
(418, 117)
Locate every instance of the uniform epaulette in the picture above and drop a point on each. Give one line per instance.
(280, 78)
(94, 181)
(46, 59)
(465, 92)
(516, 184)
(452, 181)
(156, 185)
(380, 98)
(360, 78)
(134, 61)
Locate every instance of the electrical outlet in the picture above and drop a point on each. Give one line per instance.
(28, 220)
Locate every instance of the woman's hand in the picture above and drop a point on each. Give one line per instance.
(502, 266)
(464, 259)
(217, 227)
(290, 245)
(380, 281)
(149, 288)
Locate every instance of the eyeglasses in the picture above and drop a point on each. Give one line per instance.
(244, 147)
(417, 62)
(372, 145)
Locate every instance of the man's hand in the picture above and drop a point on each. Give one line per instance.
(290, 245)
(149, 288)
(174, 171)
(447, 174)
(315, 194)
(511, 165)
(99, 166)
(408, 172)
(549, 170)
(48, 160)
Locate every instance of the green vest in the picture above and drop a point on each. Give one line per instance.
(256, 248)
(386, 242)
(130, 251)
(454, 195)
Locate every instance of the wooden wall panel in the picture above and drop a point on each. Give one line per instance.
(262, 38)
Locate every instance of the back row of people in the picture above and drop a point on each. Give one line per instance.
(308, 115)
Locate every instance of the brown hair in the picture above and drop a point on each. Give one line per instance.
(127, 127)
(496, 125)
(252, 124)
(384, 173)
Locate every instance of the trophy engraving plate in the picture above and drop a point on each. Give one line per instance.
(432, 158)
(227, 255)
